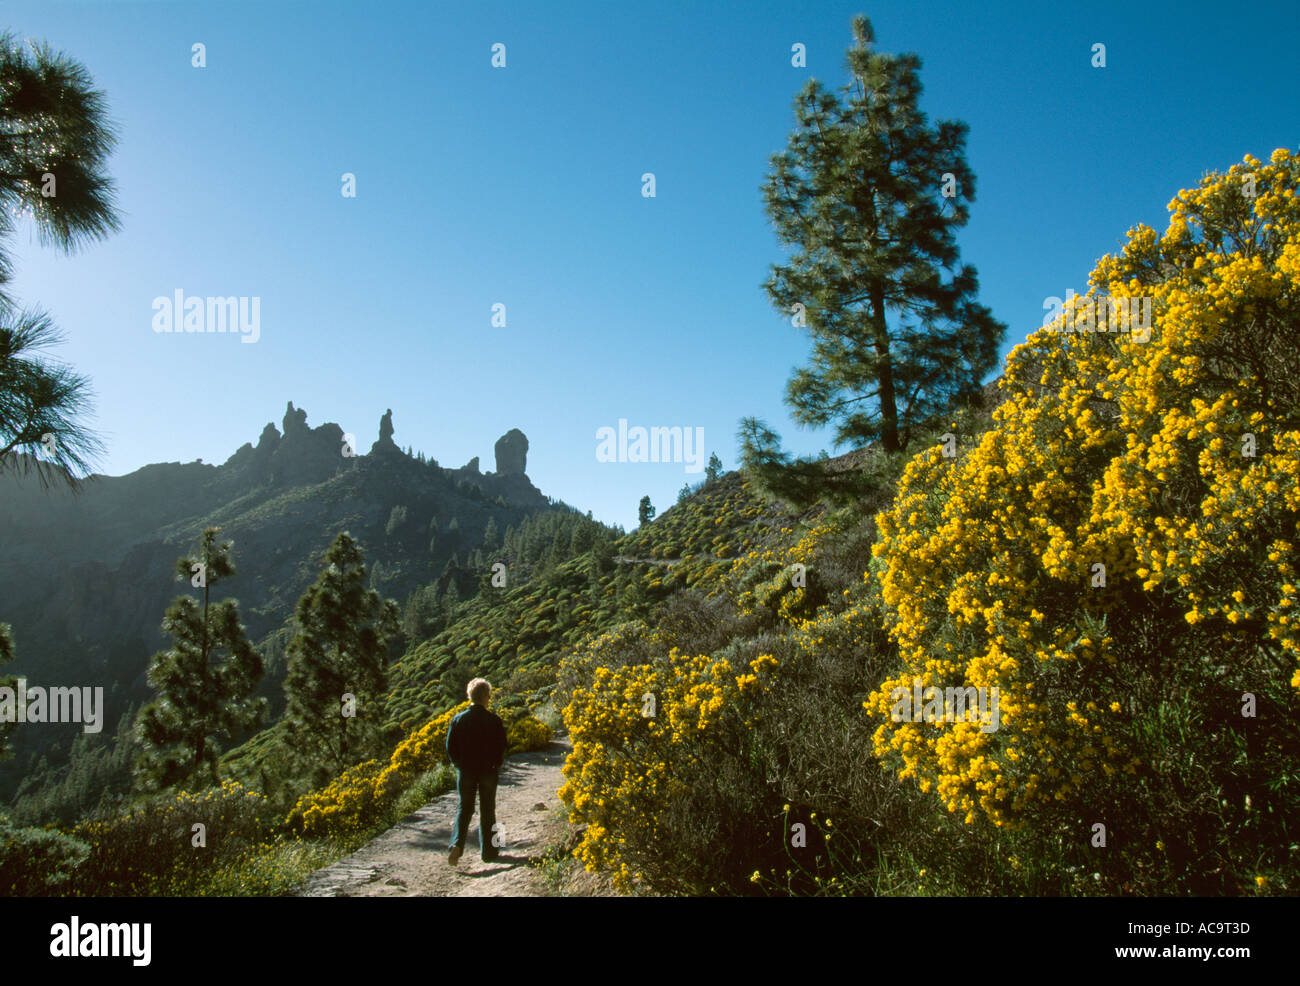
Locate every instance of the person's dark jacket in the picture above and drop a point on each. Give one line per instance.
(476, 740)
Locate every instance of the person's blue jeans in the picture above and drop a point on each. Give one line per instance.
(482, 783)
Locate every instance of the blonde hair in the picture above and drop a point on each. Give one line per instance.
(478, 689)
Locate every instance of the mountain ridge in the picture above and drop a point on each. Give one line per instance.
(85, 577)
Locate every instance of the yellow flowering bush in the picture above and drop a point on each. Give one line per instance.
(528, 733)
(645, 736)
(784, 579)
(1125, 533)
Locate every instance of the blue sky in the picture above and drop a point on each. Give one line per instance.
(522, 186)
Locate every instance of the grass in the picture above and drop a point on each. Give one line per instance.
(287, 862)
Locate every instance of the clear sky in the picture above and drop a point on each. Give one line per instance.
(522, 186)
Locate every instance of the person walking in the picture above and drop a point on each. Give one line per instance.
(476, 745)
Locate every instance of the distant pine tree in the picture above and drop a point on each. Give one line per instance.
(451, 602)
(713, 470)
(396, 518)
(645, 511)
(337, 659)
(582, 538)
(421, 614)
(204, 684)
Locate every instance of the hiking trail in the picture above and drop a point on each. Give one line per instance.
(410, 859)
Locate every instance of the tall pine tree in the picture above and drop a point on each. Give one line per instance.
(204, 684)
(57, 138)
(337, 659)
(871, 195)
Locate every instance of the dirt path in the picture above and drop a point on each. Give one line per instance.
(410, 859)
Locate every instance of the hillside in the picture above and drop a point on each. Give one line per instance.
(85, 578)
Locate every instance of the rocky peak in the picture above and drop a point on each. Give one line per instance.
(295, 422)
(512, 453)
(385, 442)
(269, 439)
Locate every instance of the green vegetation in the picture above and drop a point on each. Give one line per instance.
(871, 195)
(52, 167)
(336, 665)
(205, 683)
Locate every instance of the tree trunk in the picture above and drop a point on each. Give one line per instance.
(343, 740)
(201, 744)
(888, 403)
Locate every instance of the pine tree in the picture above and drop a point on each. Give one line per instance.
(42, 403)
(645, 511)
(57, 140)
(871, 196)
(396, 518)
(421, 614)
(582, 538)
(600, 562)
(451, 601)
(339, 650)
(713, 470)
(204, 684)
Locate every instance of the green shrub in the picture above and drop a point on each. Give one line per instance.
(151, 850)
(38, 862)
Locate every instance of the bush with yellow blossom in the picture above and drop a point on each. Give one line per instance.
(1117, 557)
(651, 740)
